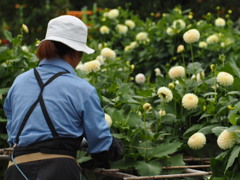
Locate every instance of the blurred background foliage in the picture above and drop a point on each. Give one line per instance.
(16, 58)
(36, 14)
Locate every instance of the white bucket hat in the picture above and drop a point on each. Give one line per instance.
(70, 31)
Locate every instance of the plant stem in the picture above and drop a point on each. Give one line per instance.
(183, 61)
(192, 58)
(146, 136)
(192, 53)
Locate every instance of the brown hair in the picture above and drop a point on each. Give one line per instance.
(52, 49)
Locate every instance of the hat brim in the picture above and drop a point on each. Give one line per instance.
(78, 46)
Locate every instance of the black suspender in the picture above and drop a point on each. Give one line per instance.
(42, 104)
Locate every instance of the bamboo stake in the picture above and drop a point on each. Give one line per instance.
(168, 176)
(110, 173)
(196, 159)
(184, 167)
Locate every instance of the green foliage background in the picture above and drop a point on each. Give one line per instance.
(151, 140)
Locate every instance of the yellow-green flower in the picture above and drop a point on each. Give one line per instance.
(147, 107)
(165, 94)
(190, 101)
(225, 79)
(197, 141)
(226, 139)
(25, 28)
(191, 36)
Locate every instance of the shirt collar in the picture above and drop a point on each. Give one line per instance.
(60, 63)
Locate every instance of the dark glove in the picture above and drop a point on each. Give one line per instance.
(116, 150)
(115, 153)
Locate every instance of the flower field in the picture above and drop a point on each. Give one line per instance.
(169, 86)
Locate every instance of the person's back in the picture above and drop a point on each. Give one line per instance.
(50, 110)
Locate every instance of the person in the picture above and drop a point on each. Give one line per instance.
(50, 110)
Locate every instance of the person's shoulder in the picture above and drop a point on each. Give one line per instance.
(24, 75)
(79, 83)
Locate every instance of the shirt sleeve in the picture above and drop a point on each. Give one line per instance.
(96, 129)
(8, 112)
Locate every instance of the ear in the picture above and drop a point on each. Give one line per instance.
(77, 54)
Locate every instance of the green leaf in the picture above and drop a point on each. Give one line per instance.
(3, 120)
(233, 156)
(192, 129)
(104, 99)
(217, 130)
(123, 163)
(4, 90)
(209, 94)
(83, 156)
(234, 119)
(205, 115)
(134, 120)
(169, 119)
(117, 116)
(3, 48)
(234, 68)
(233, 93)
(4, 136)
(217, 167)
(8, 35)
(165, 149)
(193, 68)
(149, 168)
(207, 129)
(234, 128)
(177, 160)
(121, 136)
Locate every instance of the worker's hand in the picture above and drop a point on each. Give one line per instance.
(116, 149)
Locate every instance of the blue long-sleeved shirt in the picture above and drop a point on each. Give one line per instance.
(72, 103)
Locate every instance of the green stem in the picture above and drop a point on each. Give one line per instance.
(192, 53)
(192, 59)
(183, 61)
(146, 136)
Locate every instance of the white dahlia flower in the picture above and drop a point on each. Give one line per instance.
(191, 36)
(165, 94)
(170, 31)
(101, 59)
(140, 78)
(91, 66)
(121, 29)
(157, 72)
(202, 44)
(226, 139)
(25, 48)
(147, 107)
(225, 79)
(104, 30)
(171, 85)
(198, 77)
(179, 24)
(176, 72)
(197, 141)
(212, 39)
(80, 66)
(108, 53)
(130, 23)
(220, 22)
(113, 14)
(162, 113)
(108, 119)
(25, 28)
(180, 48)
(142, 36)
(127, 48)
(190, 101)
(133, 44)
